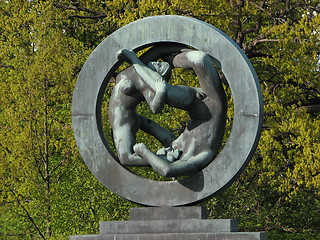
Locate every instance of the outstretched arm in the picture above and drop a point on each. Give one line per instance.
(147, 75)
(150, 81)
(165, 51)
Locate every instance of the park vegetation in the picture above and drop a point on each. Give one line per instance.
(47, 192)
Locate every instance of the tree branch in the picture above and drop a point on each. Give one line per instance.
(26, 212)
(61, 163)
(252, 45)
(309, 108)
(88, 17)
(95, 14)
(242, 33)
(312, 101)
(6, 148)
(7, 66)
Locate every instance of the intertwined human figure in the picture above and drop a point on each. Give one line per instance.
(200, 141)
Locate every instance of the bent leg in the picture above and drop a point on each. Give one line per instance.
(178, 168)
(201, 63)
(163, 135)
(159, 164)
(124, 139)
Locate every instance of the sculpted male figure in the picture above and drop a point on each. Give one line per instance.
(199, 143)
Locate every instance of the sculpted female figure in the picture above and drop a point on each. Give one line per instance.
(130, 89)
(199, 143)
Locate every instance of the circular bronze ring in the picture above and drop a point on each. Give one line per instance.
(247, 122)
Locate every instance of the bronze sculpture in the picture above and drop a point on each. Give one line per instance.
(195, 148)
(222, 169)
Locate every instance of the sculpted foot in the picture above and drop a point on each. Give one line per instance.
(139, 149)
(169, 154)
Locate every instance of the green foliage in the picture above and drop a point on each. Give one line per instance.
(46, 190)
(293, 236)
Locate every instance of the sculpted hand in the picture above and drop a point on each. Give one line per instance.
(125, 54)
(121, 55)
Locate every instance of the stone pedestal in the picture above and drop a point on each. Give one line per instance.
(171, 223)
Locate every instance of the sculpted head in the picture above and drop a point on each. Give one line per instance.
(163, 68)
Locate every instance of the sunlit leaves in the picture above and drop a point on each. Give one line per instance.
(43, 46)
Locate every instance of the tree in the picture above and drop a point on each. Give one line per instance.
(35, 104)
(46, 191)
